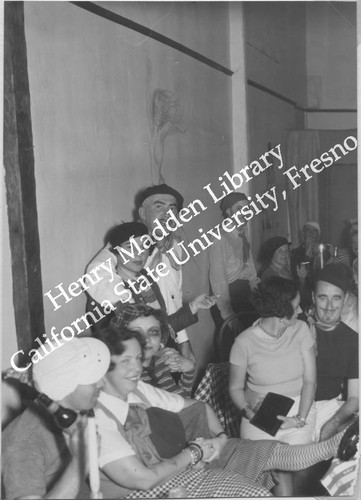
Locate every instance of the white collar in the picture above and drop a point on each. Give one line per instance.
(117, 406)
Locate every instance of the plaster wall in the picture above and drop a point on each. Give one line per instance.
(331, 64)
(88, 87)
(276, 61)
(331, 54)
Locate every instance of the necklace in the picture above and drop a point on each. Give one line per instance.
(274, 336)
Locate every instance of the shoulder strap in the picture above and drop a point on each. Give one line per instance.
(112, 416)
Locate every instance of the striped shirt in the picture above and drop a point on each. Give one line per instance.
(159, 375)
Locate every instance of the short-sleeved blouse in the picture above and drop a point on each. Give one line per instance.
(273, 365)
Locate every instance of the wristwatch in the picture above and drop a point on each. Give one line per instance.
(301, 422)
(244, 410)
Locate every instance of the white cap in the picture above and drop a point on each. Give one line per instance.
(77, 362)
(313, 224)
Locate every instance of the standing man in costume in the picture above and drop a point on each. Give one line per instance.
(232, 270)
(154, 204)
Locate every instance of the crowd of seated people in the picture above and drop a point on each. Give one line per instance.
(153, 437)
(151, 440)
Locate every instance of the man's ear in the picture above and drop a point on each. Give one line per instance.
(313, 297)
(228, 212)
(141, 212)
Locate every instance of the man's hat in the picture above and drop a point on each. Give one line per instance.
(81, 361)
(230, 200)
(336, 274)
(161, 189)
(271, 245)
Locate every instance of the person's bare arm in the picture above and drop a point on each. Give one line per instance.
(212, 448)
(237, 382)
(187, 351)
(350, 406)
(131, 473)
(308, 390)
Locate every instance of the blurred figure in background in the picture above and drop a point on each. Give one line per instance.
(303, 261)
(232, 270)
(275, 256)
(349, 254)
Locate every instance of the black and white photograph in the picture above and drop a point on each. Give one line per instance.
(179, 254)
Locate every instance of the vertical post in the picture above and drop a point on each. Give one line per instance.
(239, 83)
(20, 182)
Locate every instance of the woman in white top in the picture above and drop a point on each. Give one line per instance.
(276, 354)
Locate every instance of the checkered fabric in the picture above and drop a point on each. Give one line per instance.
(249, 458)
(213, 389)
(125, 313)
(206, 484)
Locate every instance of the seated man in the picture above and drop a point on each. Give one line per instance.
(337, 351)
(39, 460)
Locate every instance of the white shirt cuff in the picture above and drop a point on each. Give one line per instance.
(182, 336)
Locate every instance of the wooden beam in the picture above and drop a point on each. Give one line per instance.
(20, 182)
(150, 33)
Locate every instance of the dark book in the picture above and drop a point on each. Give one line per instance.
(266, 415)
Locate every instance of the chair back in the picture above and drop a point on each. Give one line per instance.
(227, 335)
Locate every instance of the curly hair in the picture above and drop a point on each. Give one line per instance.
(273, 298)
(114, 339)
(126, 313)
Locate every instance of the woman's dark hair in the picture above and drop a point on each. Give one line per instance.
(114, 339)
(273, 298)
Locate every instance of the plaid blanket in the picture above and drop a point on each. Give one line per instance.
(213, 389)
